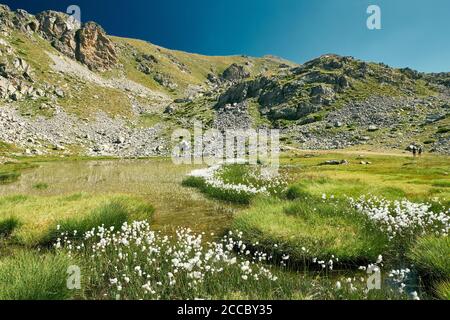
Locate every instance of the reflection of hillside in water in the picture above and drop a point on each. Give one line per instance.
(157, 180)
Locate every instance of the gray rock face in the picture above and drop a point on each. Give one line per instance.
(60, 30)
(235, 73)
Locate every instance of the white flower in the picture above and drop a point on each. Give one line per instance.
(414, 295)
(338, 285)
(380, 259)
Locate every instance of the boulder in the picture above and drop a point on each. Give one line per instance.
(235, 72)
(335, 162)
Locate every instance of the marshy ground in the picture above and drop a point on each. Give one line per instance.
(292, 231)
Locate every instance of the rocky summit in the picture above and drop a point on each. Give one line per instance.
(68, 88)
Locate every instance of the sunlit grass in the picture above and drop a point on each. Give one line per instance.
(308, 229)
(31, 276)
(389, 176)
(431, 255)
(39, 214)
(8, 225)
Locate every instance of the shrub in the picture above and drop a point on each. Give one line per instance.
(8, 225)
(30, 276)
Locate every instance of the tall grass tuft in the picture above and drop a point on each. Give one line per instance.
(430, 255)
(31, 276)
(8, 177)
(295, 192)
(112, 214)
(443, 290)
(8, 225)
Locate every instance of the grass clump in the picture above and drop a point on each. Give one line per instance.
(39, 215)
(112, 214)
(7, 226)
(31, 276)
(8, 177)
(309, 229)
(217, 193)
(295, 192)
(236, 183)
(40, 186)
(134, 262)
(443, 290)
(430, 254)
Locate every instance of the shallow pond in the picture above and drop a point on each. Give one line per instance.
(156, 180)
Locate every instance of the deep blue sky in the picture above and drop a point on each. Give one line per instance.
(415, 33)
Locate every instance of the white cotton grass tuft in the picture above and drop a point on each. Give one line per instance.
(257, 180)
(403, 218)
(152, 264)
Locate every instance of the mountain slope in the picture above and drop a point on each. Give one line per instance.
(67, 88)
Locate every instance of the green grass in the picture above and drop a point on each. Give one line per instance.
(391, 176)
(113, 214)
(217, 193)
(31, 276)
(443, 130)
(39, 215)
(431, 255)
(40, 186)
(11, 171)
(8, 177)
(8, 225)
(118, 262)
(323, 228)
(296, 192)
(237, 174)
(443, 290)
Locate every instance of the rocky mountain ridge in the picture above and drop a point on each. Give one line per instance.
(67, 88)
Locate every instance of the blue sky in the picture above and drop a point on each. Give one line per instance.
(415, 33)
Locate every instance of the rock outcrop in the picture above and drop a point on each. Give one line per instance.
(60, 30)
(235, 72)
(94, 48)
(87, 43)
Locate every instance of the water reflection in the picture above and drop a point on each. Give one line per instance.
(156, 180)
